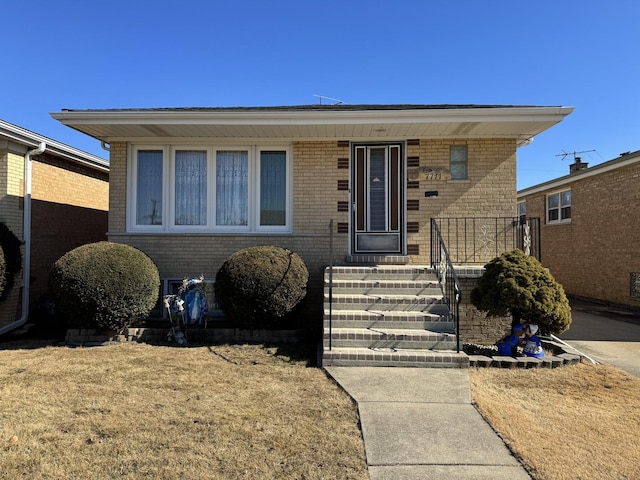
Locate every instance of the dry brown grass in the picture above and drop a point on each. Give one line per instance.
(138, 411)
(577, 422)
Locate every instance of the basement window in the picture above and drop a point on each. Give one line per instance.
(635, 285)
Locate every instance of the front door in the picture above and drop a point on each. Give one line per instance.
(377, 192)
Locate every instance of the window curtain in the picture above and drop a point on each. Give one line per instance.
(149, 188)
(273, 188)
(232, 191)
(191, 187)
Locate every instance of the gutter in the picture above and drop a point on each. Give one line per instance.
(26, 237)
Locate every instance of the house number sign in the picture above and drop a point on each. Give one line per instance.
(428, 173)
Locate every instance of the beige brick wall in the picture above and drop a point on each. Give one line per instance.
(594, 255)
(490, 191)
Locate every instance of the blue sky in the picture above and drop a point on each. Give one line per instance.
(117, 54)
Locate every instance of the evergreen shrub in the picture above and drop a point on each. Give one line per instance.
(11, 259)
(258, 287)
(517, 284)
(104, 285)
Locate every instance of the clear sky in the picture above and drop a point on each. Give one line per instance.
(131, 54)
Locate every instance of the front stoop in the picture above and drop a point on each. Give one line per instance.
(387, 315)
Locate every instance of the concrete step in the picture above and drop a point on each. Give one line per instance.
(367, 357)
(396, 302)
(391, 272)
(386, 287)
(389, 338)
(412, 320)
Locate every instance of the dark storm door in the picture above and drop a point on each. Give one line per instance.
(377, 193)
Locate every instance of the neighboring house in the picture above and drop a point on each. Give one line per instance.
(590, 232)
(54, 198)
(191, 186)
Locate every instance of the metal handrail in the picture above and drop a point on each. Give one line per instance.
(330, 282)
(441, 263)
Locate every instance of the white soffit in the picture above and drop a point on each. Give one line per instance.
(521, 123)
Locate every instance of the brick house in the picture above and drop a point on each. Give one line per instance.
(590, 231)
(66, 205)
(190, 186)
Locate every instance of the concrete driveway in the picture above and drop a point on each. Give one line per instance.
(607, 334)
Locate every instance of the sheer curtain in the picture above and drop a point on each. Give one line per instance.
(149, 188)
(191, 187)
(232, 192)
(273, 188)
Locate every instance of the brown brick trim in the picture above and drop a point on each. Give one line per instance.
(343, 163)
(343, 206)
(343, 184)
(413, 227)
(413, 184)
(343, 227)
(413, 249)
(343, 143)
(413, 142)
(413, 161)
(413, 204)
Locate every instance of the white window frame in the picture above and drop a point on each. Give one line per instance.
(168, 189)
(132, 189)
(559, 208)
(172, 190)
(466, 161)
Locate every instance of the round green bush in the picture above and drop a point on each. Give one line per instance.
(258, 286)
(11, 261)
(104, 285)
(519, 285)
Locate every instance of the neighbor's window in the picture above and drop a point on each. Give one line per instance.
(458, 162)
(559, 207)
(209, 189)
(522, 209)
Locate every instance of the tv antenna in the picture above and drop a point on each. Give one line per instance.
(338, 102)
(566, 154)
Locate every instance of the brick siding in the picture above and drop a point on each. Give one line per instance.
(69, 208)
(594, 255)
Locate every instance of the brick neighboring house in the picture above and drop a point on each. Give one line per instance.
(590, 232)
(191, 186)
(67, 201)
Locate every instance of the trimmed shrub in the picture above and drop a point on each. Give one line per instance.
(258, 286)
(104, 285)
(519, 285)
(11, 259)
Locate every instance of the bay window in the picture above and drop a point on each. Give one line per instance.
(209, 189)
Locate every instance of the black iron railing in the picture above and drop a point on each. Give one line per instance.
(441, 263)
(481, 239)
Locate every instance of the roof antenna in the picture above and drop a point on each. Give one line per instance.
(566, 154)
(338, 102)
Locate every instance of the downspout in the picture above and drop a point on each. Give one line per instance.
(26, 236)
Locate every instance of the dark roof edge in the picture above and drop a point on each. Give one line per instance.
(599, 168)
(301, 108)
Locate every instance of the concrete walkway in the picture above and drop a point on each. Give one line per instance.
(418, 423)
(607, 334)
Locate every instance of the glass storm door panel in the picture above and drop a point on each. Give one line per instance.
(377, 192)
